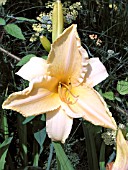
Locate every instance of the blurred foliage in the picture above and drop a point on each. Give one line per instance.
(102, 26)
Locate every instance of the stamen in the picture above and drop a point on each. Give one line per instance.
(69, 90)
(62, 90)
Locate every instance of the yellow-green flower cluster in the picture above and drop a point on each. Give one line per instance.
(109, 137)
(2, 2)
(70, 12)
(44, 25)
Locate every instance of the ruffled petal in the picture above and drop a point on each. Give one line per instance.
(91, 106)
(67, 59)
(34, 68)
(35, 99)
(121, 162)
(58, 125)
(96, 72)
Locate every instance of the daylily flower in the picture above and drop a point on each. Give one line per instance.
(62, 87)
(121, 162)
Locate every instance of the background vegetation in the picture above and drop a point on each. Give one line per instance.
(102, 26)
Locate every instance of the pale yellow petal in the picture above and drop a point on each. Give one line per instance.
(121, 162)
(91, 106)
(96, 72)
(35, 99)
(67, 60)
(34, 68)
(70, 111)
(58, 125)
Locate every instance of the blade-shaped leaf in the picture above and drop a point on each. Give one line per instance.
(25, 59)
(90, 132)
(50, 157)
(40, 138)
(14, 30)
(3, 151)
(25, 19)
(28, 119)
(62, 157)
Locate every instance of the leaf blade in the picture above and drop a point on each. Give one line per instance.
(14, 30)
(2, 21)
(25, 59)
(3, 151)
(62, 157)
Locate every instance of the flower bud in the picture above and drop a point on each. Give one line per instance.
(57, 20)
(45, 43)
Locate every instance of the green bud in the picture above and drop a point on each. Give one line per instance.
(45, 43)
(57, 20)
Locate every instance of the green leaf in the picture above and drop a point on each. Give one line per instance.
(122, 87)
(14, 30)
(2, 21)
(109, 95)
(25, 19)
(45, 57)
(90, 132)
(3, 151)
(22, 133)
(25, 59)
(28, 119)
(93, 128)
(62, 157)
(40, 138)
(43, 117)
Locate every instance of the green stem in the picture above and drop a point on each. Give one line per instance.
(102, 157)
(35, 153)
(22, 131)
(4, 125)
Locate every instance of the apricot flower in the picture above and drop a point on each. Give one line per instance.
(62, 87)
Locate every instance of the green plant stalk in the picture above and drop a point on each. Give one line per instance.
(35, 153)
(4, 125)
(22, 133)
(102, 157)
(91, 148)
(57, 20)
